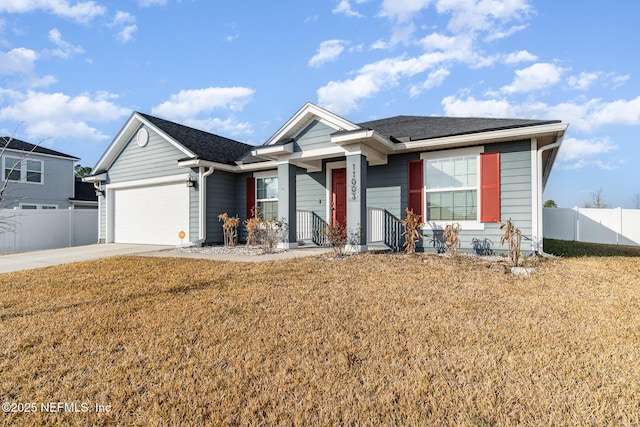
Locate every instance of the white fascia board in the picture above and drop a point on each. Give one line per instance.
(526, 132)
(305, 115)
(194, 163)
(125, 135)
(272, 151)
(95, 178)
(367, 137)
(149, 181)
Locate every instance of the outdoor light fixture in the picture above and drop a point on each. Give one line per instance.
(99, 192)
(191, 182)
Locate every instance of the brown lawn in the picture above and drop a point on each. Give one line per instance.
(372, 340)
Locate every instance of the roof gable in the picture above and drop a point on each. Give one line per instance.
(303, 117)
(18, 145)
(194, 143)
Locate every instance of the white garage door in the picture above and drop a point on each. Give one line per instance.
(151, 214)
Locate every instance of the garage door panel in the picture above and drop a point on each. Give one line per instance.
(152, 214)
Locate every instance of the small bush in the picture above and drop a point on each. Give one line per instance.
(450, 235)
(229, 228)
(411, 224)
(513, 236)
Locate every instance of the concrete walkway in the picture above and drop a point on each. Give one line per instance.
(45, 258)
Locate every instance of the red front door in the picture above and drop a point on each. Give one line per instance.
(339, 196)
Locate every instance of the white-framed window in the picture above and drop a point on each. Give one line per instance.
(452, 187)
(22, 170)
(267, 196)
(34, 206)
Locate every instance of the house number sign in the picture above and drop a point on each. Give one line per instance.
(354, 184)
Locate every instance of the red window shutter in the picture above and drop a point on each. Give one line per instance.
(415, 200)
(251, 196)
(490, 187)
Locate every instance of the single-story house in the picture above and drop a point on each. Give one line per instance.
(37, 177)
(160, 180)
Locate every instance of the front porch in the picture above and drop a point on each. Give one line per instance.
(383, 229)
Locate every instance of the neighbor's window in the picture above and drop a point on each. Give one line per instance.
(267, 197)
(25, 170)
(12, 168)
(34, 170)
(452, 188)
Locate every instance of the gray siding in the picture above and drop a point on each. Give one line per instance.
(221, 198)
(56, 189)
(311, 192)
(387, 184)
(316, 135)
(159, 158)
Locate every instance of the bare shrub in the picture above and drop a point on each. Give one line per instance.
(411, 224)
(339, 238)
(450, 235)
(229, 228)
(513, 236)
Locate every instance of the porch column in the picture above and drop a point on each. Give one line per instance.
(357, 202)
(287, 203)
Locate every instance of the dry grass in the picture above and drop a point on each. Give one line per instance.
(321, 342)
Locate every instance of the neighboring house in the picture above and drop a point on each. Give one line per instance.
(39, 178)
(160, 178)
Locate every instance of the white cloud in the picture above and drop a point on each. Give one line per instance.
(583, 81)
(573, 149)
(65, 49)
(483, 15)
(148, 3)
(344, 7)
(19, 60)
(472, 107)
(328, 51)
(228, 127)
(187, 104)
(403, 11)
(57, 115)
(583, 114)
(83, 12)
(435, 79)
(125, 25)
(579, 153)
(536, 77)
(520, 56)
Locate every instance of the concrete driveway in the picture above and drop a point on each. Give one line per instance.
(45, 258)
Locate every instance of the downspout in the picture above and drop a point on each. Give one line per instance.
(202, 201)
(539, 245)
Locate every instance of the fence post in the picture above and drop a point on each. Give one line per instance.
(577, 209)
(71, 226)
(15, 229)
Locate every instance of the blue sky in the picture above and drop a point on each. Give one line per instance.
(71, 72)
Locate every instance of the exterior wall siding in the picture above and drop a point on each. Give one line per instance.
(316, 135)
(221, 197)
(56, 189)
(311, 192)
(387, 184)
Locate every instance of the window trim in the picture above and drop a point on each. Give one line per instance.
(263, 175)
(449, 154)
(22, 169)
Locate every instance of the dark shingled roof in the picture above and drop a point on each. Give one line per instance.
(84, 191)
(411, 128)
(16, 144)
(205, 145)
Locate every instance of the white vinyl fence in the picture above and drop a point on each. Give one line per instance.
(609, 226)
(27, 230)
